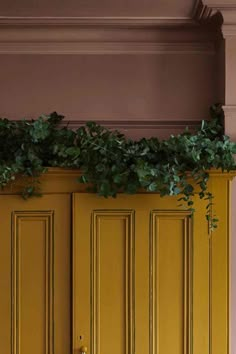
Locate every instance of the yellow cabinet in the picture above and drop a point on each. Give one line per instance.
(136, 274)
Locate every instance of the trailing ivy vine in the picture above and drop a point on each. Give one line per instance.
(112, 163)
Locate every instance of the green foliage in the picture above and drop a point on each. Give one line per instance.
(111, 163)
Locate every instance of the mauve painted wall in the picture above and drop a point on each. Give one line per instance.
(123, 87)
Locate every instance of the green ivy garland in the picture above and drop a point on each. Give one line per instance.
(112, 163)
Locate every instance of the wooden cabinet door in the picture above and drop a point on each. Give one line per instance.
(35, 245)
(137, 287)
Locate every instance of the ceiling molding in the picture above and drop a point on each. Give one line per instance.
(49, 35)
(100, 21)
(206, 9)
(202, 12)
(219, 5)
(108, 35)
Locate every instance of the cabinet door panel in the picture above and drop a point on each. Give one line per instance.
(35, 275)
(133, 276)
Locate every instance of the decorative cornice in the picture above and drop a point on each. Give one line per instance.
(205, 10)
(210, 7)
(109, 35)
(100, 21)
(202, 12)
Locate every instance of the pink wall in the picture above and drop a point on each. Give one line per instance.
(155, 88)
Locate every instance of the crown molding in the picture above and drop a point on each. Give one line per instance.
(201, 12)
(204, 11)
(50, 35)
(100, 21)
(108, 35)
(210, 7)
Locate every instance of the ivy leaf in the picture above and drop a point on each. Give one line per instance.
(73, 151)
(100, 167)
(152, 187)
(83, 179)
(131, 188)
(117, 179)
(176, 190)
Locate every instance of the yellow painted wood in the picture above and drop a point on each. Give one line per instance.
(35, 275)
(163, 309)
(220, 269)
(171, 264)
(146, 277)
(32, 262)
(201, 286)
(60, 180)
